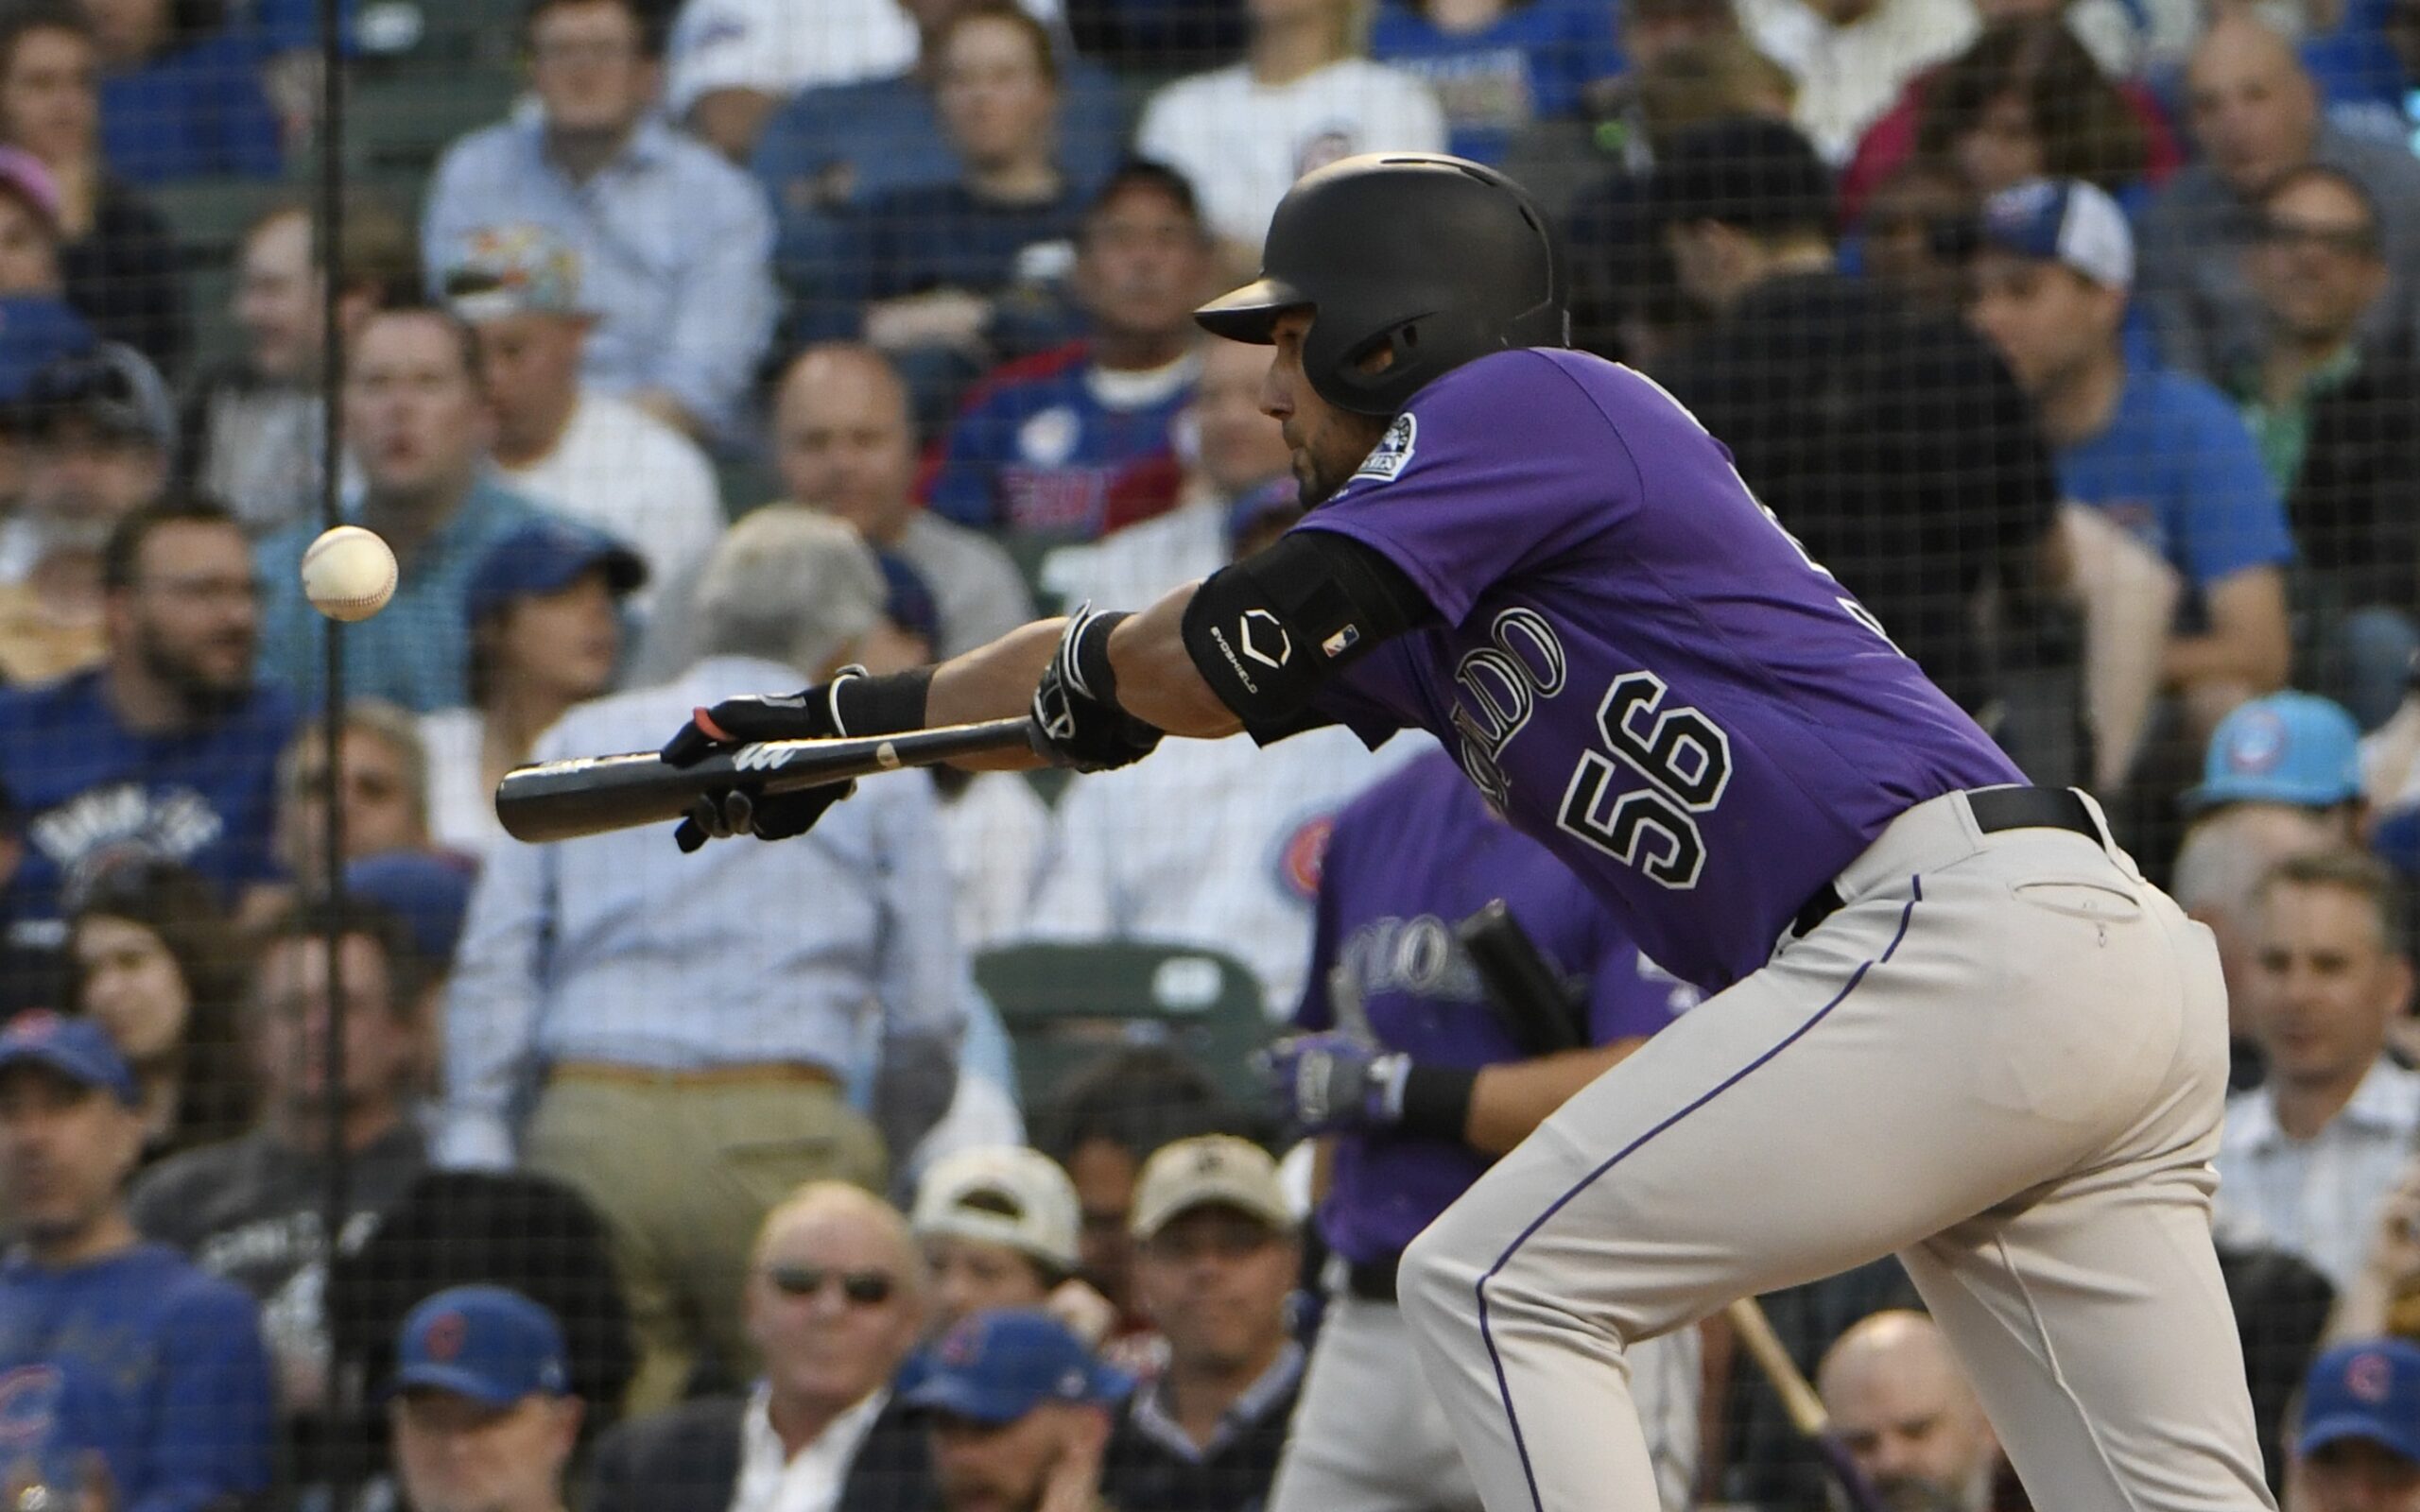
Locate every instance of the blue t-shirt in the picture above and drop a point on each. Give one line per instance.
(199, 113)
(416, 651)
(1529, 64)
(1636, 664)
(150, 1360)
(1036, 449)
(94, 793)
(1407, 860)
(2176, 467)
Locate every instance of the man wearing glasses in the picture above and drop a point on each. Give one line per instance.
(835, 1300)
(169, 749)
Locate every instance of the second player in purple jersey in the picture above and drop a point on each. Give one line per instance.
(1408, 860)
(1633, 661)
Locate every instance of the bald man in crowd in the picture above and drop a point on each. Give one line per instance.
(1910, 1419)
(2257, 115)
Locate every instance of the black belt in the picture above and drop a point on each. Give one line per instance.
(1995, 809)
(1372, 1281)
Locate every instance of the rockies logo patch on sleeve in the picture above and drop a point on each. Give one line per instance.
(1393, 452)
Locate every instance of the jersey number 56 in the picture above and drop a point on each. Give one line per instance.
(1686, 759)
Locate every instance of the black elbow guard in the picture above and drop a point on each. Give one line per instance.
(1268, 632)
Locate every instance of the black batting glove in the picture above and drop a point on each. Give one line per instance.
(1076, 715)
(745, 808)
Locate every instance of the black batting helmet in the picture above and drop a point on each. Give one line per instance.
(1440, 260)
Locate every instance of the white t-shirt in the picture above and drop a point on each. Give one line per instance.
(776, 46)
(637, 479)
(1849, 76)
(1243, 143)
(1210, 843)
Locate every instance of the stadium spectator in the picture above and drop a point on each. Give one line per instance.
(2281, 778)
(545, 627)
(251, 1209)
(479, 1411)
(153, 957)
(2384, 1295)
(431, 892)
(418, 414)
(382, 787)
(118, 257)
(116, 1351)
(1906, 1415)
(1893, 444)
(2357, 1449)
(1499, 65)
(2334, 416)
(174, 105)
(2024, 101)
(948, 277)
(834, 1301)
(1217, 1256)
(581, 454)
(1302, 96)
(1914, 234)
(844, 441)
(1410, 860)
(1017, 1414)
(1102, 1123)
(252, 432)
(682, 1113)
(2157, 452)
(169, 749)
(831, 148)
(674, 243)
(28, 223)
(2255, 115)
(2307, 1158)
(1234, 470)
(1851, 58)
(1076, 442)
(998, 1228)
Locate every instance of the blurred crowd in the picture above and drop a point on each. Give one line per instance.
(356, 1155)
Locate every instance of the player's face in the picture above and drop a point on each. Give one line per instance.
(1215, 1280)
(823, 1347)
(128, 980)
(2048, 321)
(1325, 443)
(566, 643)
(64, 1148)
(2324, 985)
(454, 1454)
(970, 1275)
(2353, 1475)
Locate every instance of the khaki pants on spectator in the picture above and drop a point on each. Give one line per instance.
(683, 1166)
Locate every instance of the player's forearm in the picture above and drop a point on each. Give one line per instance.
(1512, 1099)
(994, 682)
(1157, 682)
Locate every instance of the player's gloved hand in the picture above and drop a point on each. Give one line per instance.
(1329, 1082)
(745, 808)
(1075, 708)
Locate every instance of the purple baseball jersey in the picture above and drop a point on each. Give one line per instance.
(1408, 860)
(1636, 663)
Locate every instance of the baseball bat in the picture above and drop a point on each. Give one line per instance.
(592, 794)
(1806, 1409)
(1529, 996)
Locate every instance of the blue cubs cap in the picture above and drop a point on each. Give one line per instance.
(36, 332)
(486, 1342)
(76, 1048)
(997, 1367)
(429, 891)
(2063, 220)
(2368, 1390)
(2288, 747)
(547, 556)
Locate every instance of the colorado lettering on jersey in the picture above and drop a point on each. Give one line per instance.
(1497, 688)
(1418, 957)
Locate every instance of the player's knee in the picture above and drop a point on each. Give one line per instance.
(1436, 1284)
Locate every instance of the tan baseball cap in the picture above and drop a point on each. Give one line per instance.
(1214, 1168)
(1001, 1194)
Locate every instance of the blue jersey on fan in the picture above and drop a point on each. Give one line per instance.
(92, 792)
(1054, 445)
(1529, 64)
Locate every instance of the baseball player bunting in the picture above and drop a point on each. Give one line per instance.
(1951, 1018)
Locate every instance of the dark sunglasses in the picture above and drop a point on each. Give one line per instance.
(863, 1288)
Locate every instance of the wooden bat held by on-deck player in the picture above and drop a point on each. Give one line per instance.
(590, 794)
(1538, 1006)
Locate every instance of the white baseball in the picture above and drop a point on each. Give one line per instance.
(348, 574)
